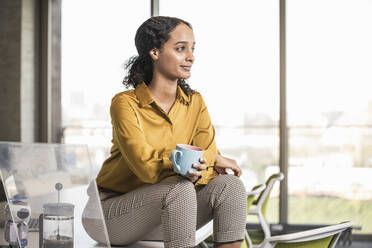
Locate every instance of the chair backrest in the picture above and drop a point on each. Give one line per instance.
(324, 237)
(251, 196)
(263, 198)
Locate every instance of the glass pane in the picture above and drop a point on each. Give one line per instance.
(97, 39)
(236, 70)
(329, 61)
(31, 175)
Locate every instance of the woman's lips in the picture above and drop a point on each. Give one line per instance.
(186, 68)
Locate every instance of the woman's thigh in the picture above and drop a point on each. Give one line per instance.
(132, 215)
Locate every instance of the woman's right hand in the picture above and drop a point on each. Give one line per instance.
(194, 175)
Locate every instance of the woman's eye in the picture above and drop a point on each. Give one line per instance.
(183, 48)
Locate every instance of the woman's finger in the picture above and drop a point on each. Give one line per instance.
(221, 170)
(194, 179)
(191, 178)
(237, 171)
(195, 173)
(202, 160)
(199, 166)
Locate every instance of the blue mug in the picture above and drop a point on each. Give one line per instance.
(184, 156)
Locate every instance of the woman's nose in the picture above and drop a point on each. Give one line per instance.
(190, 57)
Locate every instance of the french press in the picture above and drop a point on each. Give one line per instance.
(56, 224)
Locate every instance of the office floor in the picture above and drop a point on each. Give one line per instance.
(355, 244)
(358, 244)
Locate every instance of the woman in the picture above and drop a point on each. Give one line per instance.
(137, 185)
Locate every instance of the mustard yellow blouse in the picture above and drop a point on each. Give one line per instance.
(144, 136)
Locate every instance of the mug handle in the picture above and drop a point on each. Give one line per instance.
(173, 156)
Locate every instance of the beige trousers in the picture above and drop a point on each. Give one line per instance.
(178, 206)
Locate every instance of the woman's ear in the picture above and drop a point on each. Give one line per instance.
(154, 53)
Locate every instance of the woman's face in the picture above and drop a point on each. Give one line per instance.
(176, 57)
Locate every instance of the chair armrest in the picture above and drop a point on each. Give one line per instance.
(204, 232)
(256, 190)
(310, 234)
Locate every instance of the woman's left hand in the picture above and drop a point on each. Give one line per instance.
(222, 163)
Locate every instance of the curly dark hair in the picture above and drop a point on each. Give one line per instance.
(153, 33)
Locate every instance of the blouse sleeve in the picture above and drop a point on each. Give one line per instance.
(205, 139)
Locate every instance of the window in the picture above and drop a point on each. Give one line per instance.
(236, 70)
(329, 61)
(95, 46)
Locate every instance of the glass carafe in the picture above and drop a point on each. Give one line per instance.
(57, 226)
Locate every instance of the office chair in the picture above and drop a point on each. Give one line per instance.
(260, 209)
(324, 237)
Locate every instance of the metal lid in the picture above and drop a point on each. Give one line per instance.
(59, 209)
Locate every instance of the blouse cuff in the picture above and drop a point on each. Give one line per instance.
(167, 164)
(207, 175)
(209, 157)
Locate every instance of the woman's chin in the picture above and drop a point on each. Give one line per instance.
(185, 76)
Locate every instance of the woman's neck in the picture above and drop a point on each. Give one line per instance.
(163, 91)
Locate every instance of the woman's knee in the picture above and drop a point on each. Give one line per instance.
(229, 189)
(232, 183)
(182, 191)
